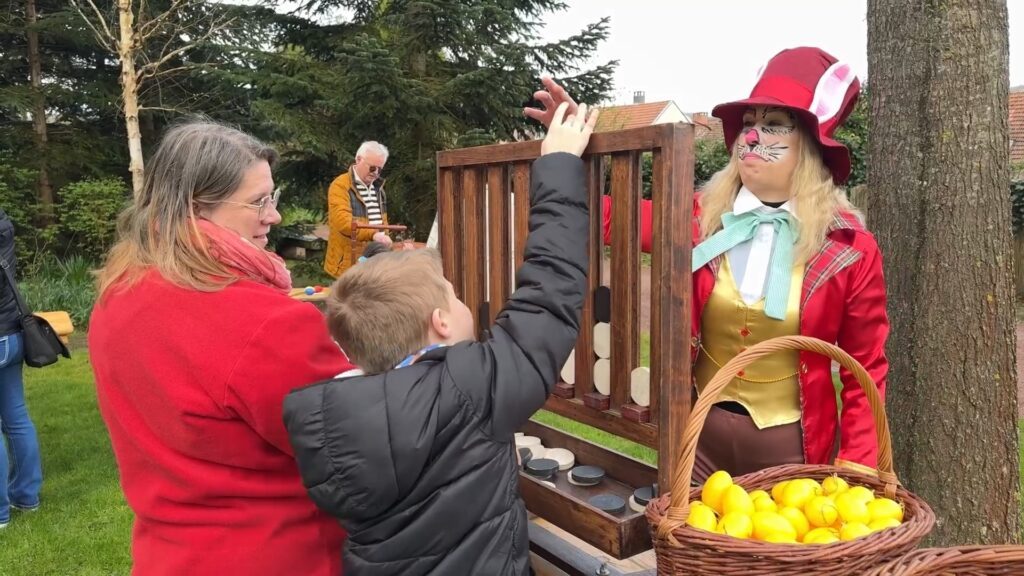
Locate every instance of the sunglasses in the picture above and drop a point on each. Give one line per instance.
(376, 169)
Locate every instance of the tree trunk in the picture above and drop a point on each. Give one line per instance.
(129, 86)
(938, 174)
(45, 191)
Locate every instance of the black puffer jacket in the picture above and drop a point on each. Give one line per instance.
(419, 463)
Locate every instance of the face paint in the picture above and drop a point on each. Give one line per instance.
(766, 135)
(767, 150)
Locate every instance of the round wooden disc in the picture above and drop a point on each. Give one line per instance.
(640, 386)
(586, 475)
(609, 503)
(569, 370)
(643, 495)
(603, 376)
(565, 458)
(527, 441)
(603, 304)
(525, 455)
(539, 451)
(576, 483)
(603, 340)
(542, 468)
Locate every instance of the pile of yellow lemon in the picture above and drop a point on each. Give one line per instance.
(796, 511)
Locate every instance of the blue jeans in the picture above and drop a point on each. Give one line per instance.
(24, 471)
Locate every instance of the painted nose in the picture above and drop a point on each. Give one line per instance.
(751, 138)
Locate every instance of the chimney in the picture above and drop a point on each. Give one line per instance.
(638, 97)
(700, 118)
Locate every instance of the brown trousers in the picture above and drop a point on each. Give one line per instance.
(732, 442)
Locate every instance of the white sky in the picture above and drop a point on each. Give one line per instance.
(682, 51)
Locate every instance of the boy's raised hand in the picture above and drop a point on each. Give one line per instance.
(569, 134)
(550, 98)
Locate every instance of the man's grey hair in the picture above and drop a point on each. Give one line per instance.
(374, 147)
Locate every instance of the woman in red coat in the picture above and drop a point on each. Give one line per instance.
(780, 251)
(194, 343)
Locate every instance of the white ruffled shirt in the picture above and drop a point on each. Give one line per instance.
(750, 260)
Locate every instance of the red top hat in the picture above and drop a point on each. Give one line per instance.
(819, 89)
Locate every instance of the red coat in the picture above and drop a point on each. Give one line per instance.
(191, 385)
(843, 301)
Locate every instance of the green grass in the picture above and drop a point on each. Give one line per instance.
(83, 527)
(599, 437)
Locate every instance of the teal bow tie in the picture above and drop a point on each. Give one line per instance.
(740, 228)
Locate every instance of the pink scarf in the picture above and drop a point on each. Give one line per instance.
(244, 258)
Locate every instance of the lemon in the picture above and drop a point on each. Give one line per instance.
(861, 493)
(736, 525)
(852, 530)
(755, 494)
(797, 520)
(736, 499)
(880, 508)
(772, 527)
(714, 488)
(834, 485)
(883, 523)
(797, 493)
(765, 504)
(778, 489)
(702, 517)
(851, 509)
(821, 511)
(821, 536)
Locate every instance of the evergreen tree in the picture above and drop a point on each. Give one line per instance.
(418, 76)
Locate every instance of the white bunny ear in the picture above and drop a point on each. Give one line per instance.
(830, 91)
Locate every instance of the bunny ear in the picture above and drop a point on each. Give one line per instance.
(760, 72)
(831, 91)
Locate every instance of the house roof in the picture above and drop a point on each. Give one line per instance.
(1016, 124)
(629, 116)
(706, 127)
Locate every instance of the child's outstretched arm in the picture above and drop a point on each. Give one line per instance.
(535, 331)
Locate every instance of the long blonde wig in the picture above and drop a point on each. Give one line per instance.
(198, 161)
(816, 198)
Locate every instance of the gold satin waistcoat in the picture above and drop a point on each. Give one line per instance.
(770, 388)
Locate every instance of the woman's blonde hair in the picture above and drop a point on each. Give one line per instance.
(816, 198)
(197, 161)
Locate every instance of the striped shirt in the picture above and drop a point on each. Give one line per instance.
(369, 197)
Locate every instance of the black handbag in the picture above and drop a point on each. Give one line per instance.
(40, 342)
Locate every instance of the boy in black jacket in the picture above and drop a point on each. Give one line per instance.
(416, 457)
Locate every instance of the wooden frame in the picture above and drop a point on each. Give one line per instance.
(483, 207)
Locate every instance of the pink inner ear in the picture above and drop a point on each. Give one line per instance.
(831, 90)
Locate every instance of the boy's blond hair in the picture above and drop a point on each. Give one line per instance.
(379, 310)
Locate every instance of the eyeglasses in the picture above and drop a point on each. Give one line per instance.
(376, 169)
(259, 205)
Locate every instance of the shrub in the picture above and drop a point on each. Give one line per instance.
(88, 214)
(62, 285)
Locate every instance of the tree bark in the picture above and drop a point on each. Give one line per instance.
(938, 172)
(45, 189)
(129, 85)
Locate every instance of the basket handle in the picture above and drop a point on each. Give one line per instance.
(679, 504)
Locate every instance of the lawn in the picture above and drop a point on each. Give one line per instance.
(84, 525)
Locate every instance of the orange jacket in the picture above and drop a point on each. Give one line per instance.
(344, 206)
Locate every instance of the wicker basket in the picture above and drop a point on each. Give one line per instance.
(959, 561)
(682, 549)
